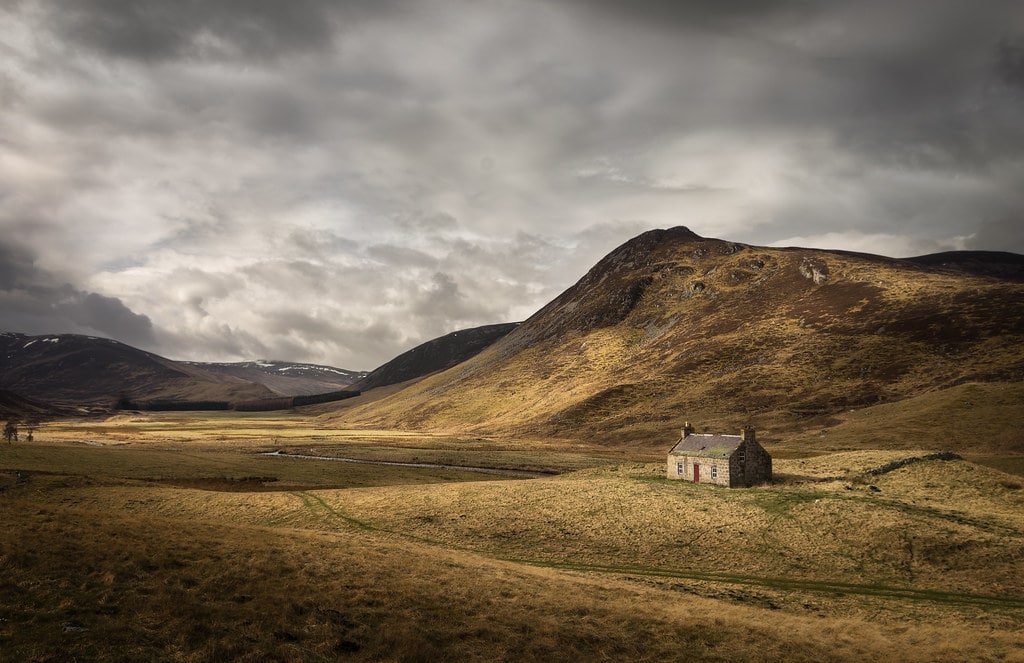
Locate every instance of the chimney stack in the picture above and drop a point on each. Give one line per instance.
(687, 429)
(747, 434)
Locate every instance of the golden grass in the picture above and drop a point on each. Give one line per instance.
(115, 553)
(835, 531)
(117, 584)
(243, 434)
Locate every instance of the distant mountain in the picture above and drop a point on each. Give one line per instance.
(672, 326)
(997, 264)
(434, 355)
(286, 378)
(69, 369)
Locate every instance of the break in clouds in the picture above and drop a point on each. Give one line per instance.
(337, 182)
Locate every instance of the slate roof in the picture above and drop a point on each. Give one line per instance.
(704, 445)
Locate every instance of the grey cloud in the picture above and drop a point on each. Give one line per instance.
(1010, 60)
(10, 92)
(217, 342)
(872, 73)
(16, 266)
(155, 30)
(300, 277)
(934, 95)
(886, 201)
(419, 222)
(442, 294)
(319, 243)
(196, 231)
(374, 341)
(285, 322)
(35, 301)
(669, 14)
(443, 307)
(399, 256)
(614, 177)
(110, 316)
(282, 114)
(196, 284)
(91, 108)
(1003, 234)
(516, 262)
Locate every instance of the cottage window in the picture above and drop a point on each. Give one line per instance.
(679, 469)
(714, 471)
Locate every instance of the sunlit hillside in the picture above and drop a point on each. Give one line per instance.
(672, 327)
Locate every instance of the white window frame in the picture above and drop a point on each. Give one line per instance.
(714, 471)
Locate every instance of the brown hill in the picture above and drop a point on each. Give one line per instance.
(69, 369)
(985, 263)
(18, 408)
(435, 355)
(672, 326)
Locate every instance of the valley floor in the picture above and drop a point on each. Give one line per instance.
(168, 538)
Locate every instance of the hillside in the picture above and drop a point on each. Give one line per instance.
(672, 326)
(435, 355)
(16, 407)
(286, 378)
(69, 369)
(999, 264)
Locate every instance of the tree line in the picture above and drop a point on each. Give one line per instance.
(260, 405)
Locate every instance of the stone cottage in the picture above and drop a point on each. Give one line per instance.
(726, 460)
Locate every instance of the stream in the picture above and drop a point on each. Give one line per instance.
(437, 466)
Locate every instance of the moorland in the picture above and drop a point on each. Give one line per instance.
(175, 537)
(514, 505)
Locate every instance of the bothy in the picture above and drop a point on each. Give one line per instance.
(726, 460)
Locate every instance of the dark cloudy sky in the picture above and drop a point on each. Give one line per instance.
(336, 182)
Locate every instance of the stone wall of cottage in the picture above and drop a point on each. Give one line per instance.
(759, 465)
(681, 468)
(677, 469)
(750, 465)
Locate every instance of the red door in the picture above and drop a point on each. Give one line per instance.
(696, 473)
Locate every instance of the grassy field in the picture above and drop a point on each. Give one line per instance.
(172, 538)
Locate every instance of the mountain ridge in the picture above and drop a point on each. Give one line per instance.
(998, 264)
(671, 325)
(77, 370)
(435, 355)
(54, 372)
(286, 378)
